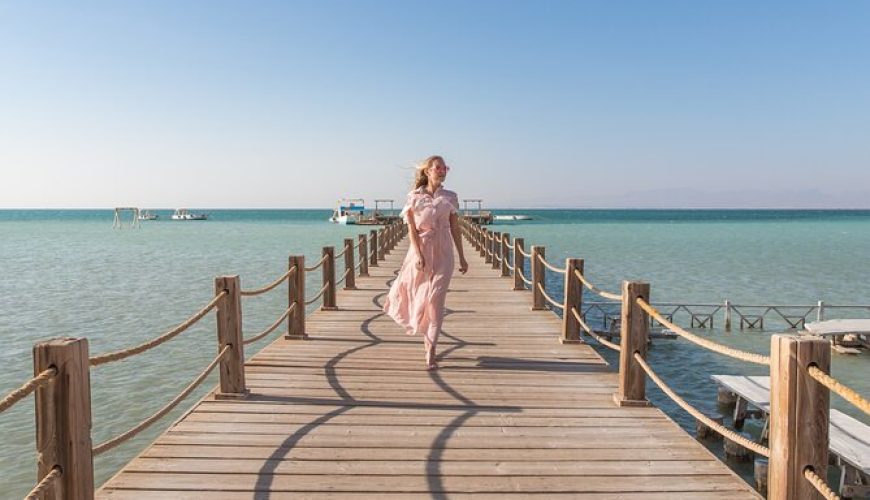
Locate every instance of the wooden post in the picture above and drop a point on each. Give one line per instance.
(349, 265)
(328, 270)
(519, 264)
(373, 243)
(381, 242)
(573, 299)
(484, 243)
(296, 295)
(490, 244)
(388, 239)
(820, 313)
(496, 249)
(229, 332)
(727, 315)
(505, 252)
(537, 278)
(635, 333)
(363, 255)
(799, 416)
(63, 418)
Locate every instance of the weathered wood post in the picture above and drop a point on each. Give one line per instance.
(490, 245)
(496, 249)
(538, 253)
(519, 264)
(573, 299)
(328, 270)
(363, 255)
(296, 295)
(388, 239)
(349, 265)
(373, 243)
(727, 315)
(63, 418)
(381, 241)
(505, 252)
(229, 333)
(635, 333)
(799, 416)
(484, 243)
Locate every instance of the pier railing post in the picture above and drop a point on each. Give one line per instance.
(490, 245)
(484, 243)
(496, 249)
(505, 252)
(820, 312)
(363, 255)
(727, 315)
(634, 324)
(373, 243)
(381, 241)
(63, 418)
(388, 239)
(229, 333)
(538, 253)
(296, 295)
(519, 264)
(328, 271)
(799, 416)
(573, 299)
(349, 265)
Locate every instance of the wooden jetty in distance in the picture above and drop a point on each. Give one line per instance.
(341, 405)
(475, 215)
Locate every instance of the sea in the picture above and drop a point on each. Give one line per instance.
(68, 273)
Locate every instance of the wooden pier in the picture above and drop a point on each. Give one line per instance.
(341, 404)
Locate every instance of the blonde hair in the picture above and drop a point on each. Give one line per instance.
(420, 177)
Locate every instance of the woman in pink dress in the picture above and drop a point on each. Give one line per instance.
(416, 299)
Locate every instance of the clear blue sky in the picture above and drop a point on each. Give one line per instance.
(554, 103)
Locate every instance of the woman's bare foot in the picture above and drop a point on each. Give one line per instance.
(431, 362)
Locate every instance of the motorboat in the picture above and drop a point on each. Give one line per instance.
(349, 211)
(185, 214)
(147, 215)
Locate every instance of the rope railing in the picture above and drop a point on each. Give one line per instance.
(595, 289)
(551, 267)
(28, 387)
(838, 388)
(523, 277)
(139, 349)
(721, 429)
(270, 286)
(589, 331)
(111, 443)
(316, 297)
(358, 265)
(549, 299)
(272, 327)
(523, 253)
(819, 484)
(315, 266)
(341, 253)
(48, 480)
(511, 267)
(343, 277)
(750, 357)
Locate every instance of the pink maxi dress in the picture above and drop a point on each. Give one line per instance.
(416, 298)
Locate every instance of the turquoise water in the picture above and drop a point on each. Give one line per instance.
(68, 273)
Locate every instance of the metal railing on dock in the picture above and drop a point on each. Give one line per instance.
(799, 366)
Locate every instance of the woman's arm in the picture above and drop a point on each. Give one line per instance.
(415, 239)
(456, 232)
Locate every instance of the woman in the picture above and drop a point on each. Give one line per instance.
(416, 299)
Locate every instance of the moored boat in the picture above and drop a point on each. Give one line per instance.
(349, 211)
(185, 214)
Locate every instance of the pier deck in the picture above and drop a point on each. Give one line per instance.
(352, 412)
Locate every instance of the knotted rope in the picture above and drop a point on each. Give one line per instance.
(549, 299)
(319, 263)
(270, 286)
(551, 267)
(601, 340)
(319, 294)
(600, 292)
(39, 489)
(31, 385)
(820, 485)
(841, 390)
(272, 328)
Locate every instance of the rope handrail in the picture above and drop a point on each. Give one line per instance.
(595, 289)
(721, 429)
(841, 390)
(270, 286)
(341, 253)
(601, 340)
(139, 349)
(111, 443)
(31, 385)
(319, 294)
(511, 267)
(497, 257)
(523, 277)
(819, 484)
(315, 266)
(39, 489)
(358, 265)
(343, 277)
(750, 357)
(550, 299)
(523, 253)
(551, 267)
(271, 328)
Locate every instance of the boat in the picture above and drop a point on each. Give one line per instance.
(511, 217)
(146, 215)
(349, 211)
(184, 214)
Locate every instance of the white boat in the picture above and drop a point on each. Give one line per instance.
(146, 215)
(184, 214)
(512, 217)
(348, 211)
